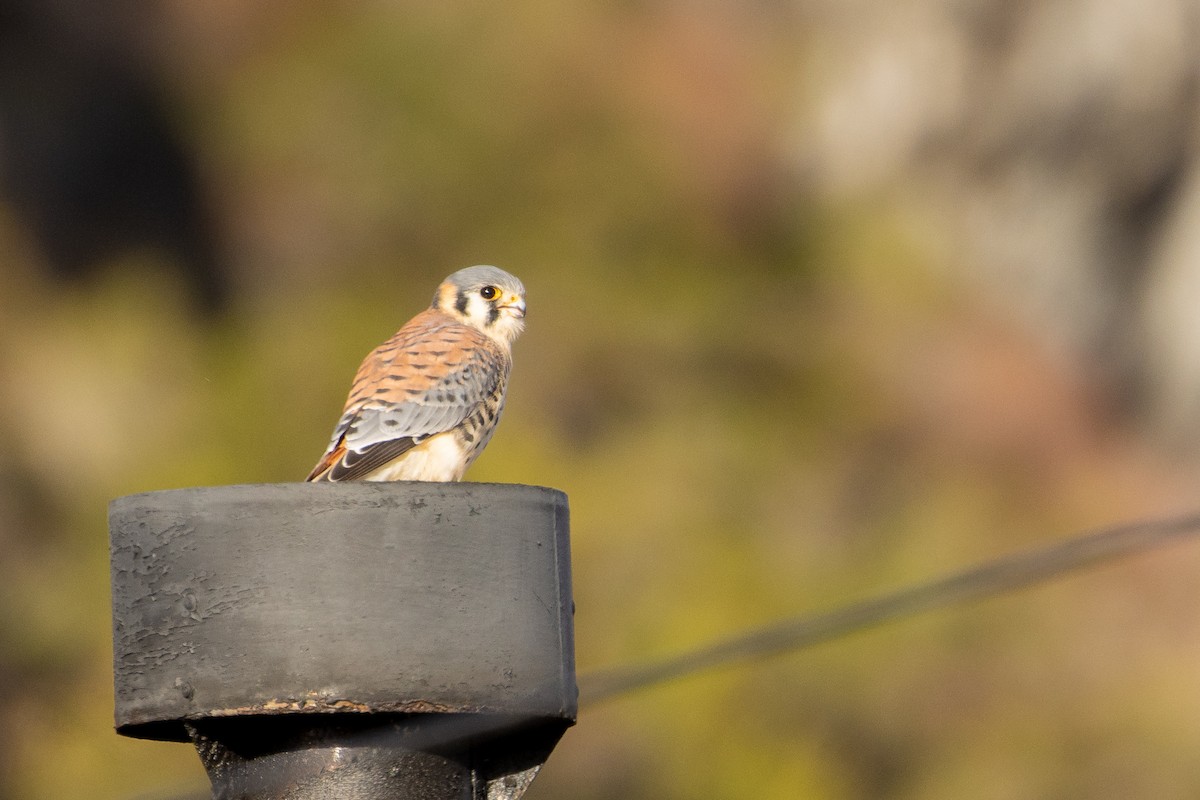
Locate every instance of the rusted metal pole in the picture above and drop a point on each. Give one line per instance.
(367, 641)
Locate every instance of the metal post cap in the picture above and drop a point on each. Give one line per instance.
(356, 598)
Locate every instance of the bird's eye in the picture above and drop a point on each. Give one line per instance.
(488, 292)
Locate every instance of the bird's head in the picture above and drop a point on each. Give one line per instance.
(486, 298)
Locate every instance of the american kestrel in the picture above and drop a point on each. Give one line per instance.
(425, 402)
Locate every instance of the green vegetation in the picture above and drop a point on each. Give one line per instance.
(761, 401)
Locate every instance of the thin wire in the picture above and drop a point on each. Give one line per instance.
(989, 579)
(986, 580)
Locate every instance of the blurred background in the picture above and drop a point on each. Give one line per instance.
(826, 297)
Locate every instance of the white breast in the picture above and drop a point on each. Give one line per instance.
(438, 458)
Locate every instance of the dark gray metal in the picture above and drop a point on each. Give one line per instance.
(437, 756)
(318, 640)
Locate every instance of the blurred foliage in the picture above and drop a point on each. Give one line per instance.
(759, 399)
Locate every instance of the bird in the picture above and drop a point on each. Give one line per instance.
(425, 403)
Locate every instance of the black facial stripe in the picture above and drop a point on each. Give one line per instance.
(460, 302)
(493, 315)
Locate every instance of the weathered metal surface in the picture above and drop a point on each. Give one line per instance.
(338, 599)
(372, 757)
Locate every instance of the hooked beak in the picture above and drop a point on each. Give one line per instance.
(516, 306)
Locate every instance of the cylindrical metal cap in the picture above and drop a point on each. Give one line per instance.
(340, 598)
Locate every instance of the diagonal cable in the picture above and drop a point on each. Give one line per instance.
(991, 578)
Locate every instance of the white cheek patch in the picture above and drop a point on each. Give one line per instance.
(484, 315)
(508, 327)
(500, 325)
